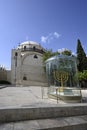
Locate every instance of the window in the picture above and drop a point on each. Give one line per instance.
(24, 78)
(34, 48)
(24, 47)
(16, 54)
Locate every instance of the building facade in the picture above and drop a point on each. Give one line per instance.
(5, 75)
(27, 65)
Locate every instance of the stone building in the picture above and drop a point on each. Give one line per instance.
(27, 65)
(5, 75)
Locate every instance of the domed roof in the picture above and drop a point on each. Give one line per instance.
(29, 42)
(30, 45)
(61, 56)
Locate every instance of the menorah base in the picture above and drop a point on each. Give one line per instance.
(66, 94)
(60, 89)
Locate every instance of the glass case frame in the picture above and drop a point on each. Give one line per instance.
(62, 78)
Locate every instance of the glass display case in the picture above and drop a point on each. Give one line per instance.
(62, 77)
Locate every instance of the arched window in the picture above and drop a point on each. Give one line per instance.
(15, 58)
(24, 78)
(16, 54)
(24, 47)
(34, 48)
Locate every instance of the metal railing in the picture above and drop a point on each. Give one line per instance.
(33, 49)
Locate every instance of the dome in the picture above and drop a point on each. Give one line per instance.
(29, 42)
(61, 56)
(31, 46)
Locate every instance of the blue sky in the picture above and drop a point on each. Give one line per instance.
(55, 24)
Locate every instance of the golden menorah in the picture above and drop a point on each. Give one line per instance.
(61, 76)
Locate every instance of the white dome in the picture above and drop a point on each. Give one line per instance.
(29, 42)
(27, 45)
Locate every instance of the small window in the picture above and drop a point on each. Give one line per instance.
(34, 48)
(35, 56)
(24, 78)
(16, 54)
(24, 47)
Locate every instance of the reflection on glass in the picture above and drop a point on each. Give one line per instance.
(62, 77)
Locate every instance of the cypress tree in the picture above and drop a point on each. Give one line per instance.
(81, 57)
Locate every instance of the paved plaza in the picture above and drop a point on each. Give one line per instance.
(25, 96)
(24, 100)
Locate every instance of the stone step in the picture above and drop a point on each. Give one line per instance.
(3, 86)
(63, 123)
(41, 111)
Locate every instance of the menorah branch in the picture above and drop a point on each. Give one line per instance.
(61, 76)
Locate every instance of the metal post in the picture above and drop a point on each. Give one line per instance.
(57, 94)
(42, 91)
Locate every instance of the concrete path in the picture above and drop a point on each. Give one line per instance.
(24, 96)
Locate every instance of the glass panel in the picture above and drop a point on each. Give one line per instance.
(62, 78)
(62, 71)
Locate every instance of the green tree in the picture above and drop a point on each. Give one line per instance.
(81, 57)
(49, 54)
(82, 76)
(66, 52)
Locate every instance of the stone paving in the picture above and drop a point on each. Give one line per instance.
(29, 96)
(23, 96)
(66, 123)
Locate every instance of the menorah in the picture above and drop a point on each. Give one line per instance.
(61, 76)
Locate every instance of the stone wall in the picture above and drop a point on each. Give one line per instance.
(3, 74)
(9, 76)
(29, 68)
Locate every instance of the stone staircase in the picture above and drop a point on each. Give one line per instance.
(43, 117)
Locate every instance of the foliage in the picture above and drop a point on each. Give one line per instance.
(67, 52)
(82, 76)
(48, 54)
(81, 57)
